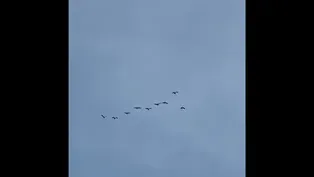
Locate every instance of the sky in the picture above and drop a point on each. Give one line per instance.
(126, 53)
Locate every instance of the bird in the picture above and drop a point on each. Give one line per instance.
(182, 107)
(164, 102)
(175, 92)
(157, 104)
(126, 112)
(148, 108)
(103, 116)
(115, 117)
(137, 107)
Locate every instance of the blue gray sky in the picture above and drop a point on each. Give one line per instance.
(126, 53)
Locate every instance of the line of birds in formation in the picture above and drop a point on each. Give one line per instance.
(138, 107)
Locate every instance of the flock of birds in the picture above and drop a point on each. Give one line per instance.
(148, 108)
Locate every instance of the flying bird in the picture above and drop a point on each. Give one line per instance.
(103, 116)
(126, 112)
(115, 117)
(157, 104)
(137, 108)
(175, 92)
(164, 102)
(182, 107)
(148, 108)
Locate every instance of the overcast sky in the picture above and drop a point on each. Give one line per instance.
(126, 53)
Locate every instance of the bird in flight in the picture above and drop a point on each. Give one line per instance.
(126, 112)
(115, 117)
(103, 116)
(157, 104)
(175, 92)
(182, 107)
(164, 102)
(137, 107)
(148, 108)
